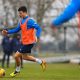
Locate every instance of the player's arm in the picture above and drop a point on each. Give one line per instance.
(15, 30)
(33, 24)
(68, 13)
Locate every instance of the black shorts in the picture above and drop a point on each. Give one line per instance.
(26, 48)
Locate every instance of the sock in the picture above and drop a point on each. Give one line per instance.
(18, 68)
(38, 60)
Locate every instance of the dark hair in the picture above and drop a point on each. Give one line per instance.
(22, 8)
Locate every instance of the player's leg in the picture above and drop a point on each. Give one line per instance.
(26, 51)
(31, 58)
(3, 60)
(17, 57)
(8, 60)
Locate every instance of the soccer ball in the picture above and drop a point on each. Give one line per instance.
(2, 72)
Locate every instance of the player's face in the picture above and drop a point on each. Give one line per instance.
(21, 14)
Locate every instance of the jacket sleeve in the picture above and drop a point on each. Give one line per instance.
(32, 24)
(68, 13)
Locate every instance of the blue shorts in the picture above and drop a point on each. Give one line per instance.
(26, 48)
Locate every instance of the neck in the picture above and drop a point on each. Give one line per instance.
(25, 16)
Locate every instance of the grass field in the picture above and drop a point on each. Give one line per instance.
(54, 72)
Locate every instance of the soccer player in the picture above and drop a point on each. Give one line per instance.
(27, 27)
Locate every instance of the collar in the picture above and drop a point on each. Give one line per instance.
(25, 17)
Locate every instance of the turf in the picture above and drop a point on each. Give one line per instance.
(54, 72)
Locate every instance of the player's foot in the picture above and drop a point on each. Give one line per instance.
(43, 64)
(13, 74)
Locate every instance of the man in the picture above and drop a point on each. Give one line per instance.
(27, 27)
(7, 49)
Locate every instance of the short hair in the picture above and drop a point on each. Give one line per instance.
(23, 8)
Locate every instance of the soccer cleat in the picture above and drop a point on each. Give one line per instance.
(43, 65)
(13, 74)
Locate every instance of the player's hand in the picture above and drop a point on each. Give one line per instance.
(4, 32)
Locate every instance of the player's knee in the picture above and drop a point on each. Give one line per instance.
(17, 55)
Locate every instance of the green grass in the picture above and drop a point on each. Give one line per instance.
(54, 72)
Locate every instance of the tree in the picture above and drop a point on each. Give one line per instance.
(39, 6)
(42, 7)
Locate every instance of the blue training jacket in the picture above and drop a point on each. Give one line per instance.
(30, 24)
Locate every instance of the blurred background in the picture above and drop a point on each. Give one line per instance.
(64, 45)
